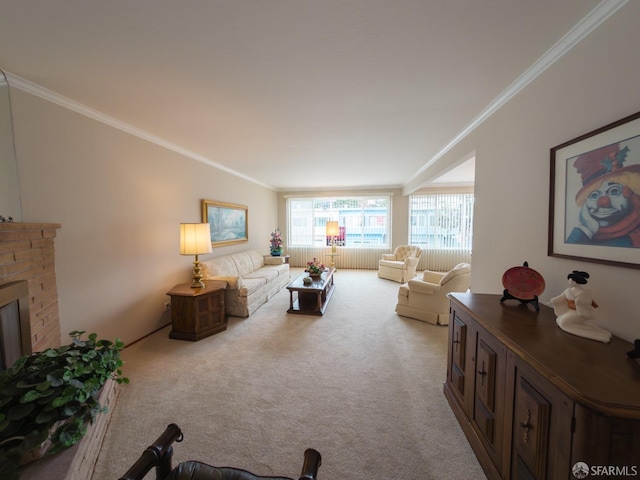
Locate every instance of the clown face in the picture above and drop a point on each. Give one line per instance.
(609, 203)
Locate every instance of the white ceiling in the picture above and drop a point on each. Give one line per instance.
(292, 94)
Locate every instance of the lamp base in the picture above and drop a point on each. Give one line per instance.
(197, 275)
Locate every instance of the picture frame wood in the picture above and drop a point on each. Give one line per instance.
(228, 222)
(594, 196)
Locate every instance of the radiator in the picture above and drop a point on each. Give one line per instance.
(367, 258)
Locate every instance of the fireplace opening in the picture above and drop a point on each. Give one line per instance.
(15, 330)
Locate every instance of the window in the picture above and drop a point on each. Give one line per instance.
(441, 220)
(364, 221)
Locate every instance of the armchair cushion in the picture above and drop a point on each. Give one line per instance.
(420, 286)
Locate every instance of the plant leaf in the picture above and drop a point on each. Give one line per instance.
(30, 396)
(18, 412)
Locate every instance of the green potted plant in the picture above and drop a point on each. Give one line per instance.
(48, 399)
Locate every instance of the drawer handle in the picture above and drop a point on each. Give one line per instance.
(526, 427)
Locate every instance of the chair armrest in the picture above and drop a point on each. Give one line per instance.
(312, 461)
(433, 277)
(156, 455)
(411, 261)
(388, 256)
(420, 286)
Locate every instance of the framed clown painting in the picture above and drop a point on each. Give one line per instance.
(594, 196)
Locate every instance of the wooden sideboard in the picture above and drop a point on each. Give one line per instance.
(534, 400)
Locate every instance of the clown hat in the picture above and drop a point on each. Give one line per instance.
(605, 163)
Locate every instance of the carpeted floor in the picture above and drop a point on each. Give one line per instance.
(360, 384)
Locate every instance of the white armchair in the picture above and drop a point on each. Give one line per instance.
(426, 299)
(399, 266)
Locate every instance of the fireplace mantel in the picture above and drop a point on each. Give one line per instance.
(27, 252)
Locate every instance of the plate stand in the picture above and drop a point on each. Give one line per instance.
(534, 301)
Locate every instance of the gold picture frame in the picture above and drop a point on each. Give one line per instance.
(228, 222)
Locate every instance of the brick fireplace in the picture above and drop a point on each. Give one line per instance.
(27, 252)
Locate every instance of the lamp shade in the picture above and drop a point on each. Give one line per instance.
(333, 230)
(195, 238)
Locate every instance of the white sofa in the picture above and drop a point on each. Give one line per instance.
(252, 279)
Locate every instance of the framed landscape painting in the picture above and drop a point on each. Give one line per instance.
(228, 222)
(594, 196)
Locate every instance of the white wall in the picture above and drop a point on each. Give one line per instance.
(9, 195)
(119, 200)
(595, 84)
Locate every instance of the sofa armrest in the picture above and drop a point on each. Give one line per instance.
(269, 260)
(233, 283)
(420, 286)
(387, 256)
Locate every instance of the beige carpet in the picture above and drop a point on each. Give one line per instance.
(360, 384)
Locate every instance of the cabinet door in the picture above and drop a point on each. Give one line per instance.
(458, 354)
(488, 394)
(459, 359)
(541, 427)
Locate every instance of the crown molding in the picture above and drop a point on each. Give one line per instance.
(27, 86)
(584, 27)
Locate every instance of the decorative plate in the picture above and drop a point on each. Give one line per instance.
(523, 283)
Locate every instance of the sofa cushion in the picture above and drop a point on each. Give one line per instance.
(243, 262)
(219, 267)
(251, 285)
(267, 274)
(257, 259)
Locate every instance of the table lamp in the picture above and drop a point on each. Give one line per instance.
(195, 239)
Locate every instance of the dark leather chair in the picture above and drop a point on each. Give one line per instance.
(159, 455)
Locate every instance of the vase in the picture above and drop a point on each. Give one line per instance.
(315, 276)
(276, 253)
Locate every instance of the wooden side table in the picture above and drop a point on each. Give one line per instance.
(197, 313)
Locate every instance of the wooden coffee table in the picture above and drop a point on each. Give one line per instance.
(312, 299)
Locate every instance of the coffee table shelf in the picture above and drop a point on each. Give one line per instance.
(311, 299)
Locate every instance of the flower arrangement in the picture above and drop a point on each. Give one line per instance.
(314, 267)
(276, 242)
